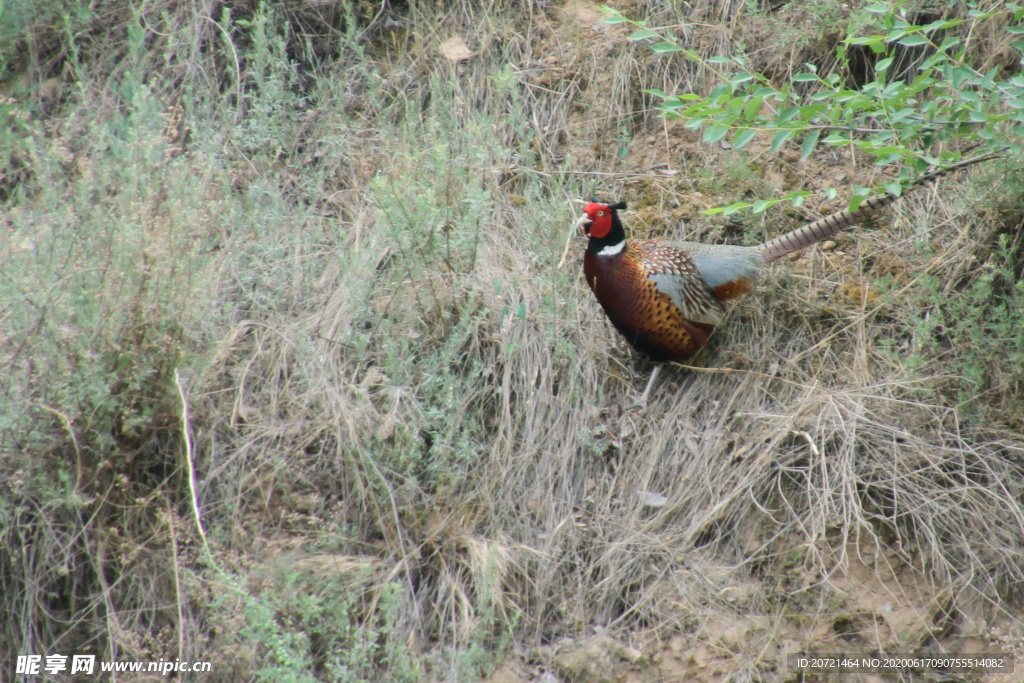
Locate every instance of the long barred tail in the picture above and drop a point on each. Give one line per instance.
(824, 228)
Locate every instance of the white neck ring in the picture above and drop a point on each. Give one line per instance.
(613, 249)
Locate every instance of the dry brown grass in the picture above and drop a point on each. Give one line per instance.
(404, 411)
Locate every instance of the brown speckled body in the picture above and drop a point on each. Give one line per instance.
(644, 314)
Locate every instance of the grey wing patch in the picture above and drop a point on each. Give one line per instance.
(721, 263)
(674, 272)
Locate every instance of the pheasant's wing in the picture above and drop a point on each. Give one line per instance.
(674, 272)
(727, 271)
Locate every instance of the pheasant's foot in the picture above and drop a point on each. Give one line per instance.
(642, 402)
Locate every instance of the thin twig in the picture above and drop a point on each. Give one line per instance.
(189, 462)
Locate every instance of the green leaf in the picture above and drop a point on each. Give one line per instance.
(729, 120)
(805, 77)
(780, 138)
(831, 192)
(787, 114)
(614, 19)
(892, 90)
(809, 111)
(752, 107)
(887, 149)
(810, 142)
(765, 91)
(715, 132)
(914, 40)
(878, 8)
(740, 78)
(666, 47)
(894, 189)
(743, 138)
(876, 43)
(733, 208)
(761, 204)
(942, 24)
(642, 34)
(988, 82)
(901, 114)
(701, 109)
(721, 90)
(887, 159)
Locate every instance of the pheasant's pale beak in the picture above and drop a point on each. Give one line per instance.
(583, 224)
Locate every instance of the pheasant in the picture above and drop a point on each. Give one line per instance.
(666, 298)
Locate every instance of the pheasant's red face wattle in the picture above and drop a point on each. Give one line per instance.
(596, 220)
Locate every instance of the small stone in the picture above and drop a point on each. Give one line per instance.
(652, 500)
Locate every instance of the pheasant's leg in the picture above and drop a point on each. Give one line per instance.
(642, 403)
(650, 384)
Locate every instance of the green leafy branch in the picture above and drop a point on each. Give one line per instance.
(894, 119)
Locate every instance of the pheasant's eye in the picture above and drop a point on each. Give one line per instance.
(600, 213)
